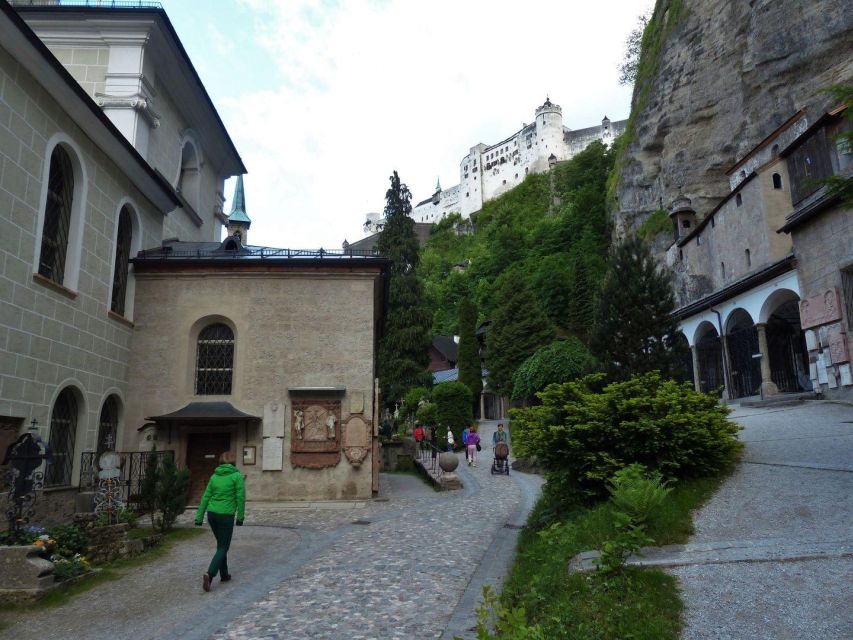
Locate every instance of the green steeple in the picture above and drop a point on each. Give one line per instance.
(238, 205)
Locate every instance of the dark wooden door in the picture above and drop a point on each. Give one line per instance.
(203, 451)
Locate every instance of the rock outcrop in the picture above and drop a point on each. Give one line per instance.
(726, 75)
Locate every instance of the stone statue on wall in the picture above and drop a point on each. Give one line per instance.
(330, 425)
(299, 423)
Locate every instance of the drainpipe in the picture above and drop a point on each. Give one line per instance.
(724, 348)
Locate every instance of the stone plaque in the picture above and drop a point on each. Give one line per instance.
(837, 341)
(315, 433)
(844, 373)
(811, 340)
(356, 402)
(356, 434)
(274, 419)
(820, 309)
(272, 450)
(822, 363)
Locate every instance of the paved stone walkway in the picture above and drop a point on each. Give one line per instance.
(414, 569)
(793, 493)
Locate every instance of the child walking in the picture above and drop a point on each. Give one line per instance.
(473, 446)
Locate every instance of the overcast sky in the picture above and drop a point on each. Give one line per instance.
(324, 99)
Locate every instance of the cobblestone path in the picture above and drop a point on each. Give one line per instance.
(413, 569)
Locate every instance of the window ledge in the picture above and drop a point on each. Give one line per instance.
(55, 286)
(120, 319)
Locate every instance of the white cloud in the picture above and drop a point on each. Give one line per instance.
(367, 87)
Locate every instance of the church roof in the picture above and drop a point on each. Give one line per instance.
(225, 251)
(238, 204)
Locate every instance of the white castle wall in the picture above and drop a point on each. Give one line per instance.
(488, 171)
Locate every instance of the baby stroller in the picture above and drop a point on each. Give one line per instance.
(501, 462)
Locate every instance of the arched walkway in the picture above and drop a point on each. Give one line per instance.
(709, 358)
(742, 343)
(786, 349)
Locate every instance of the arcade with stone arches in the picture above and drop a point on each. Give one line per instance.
(750, 344)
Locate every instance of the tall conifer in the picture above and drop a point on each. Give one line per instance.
(470, 372)
(633, 330)
(404, 347)
(518, 328)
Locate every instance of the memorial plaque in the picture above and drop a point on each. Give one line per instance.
(274, 419)
(272, 454)
(356, 434)
(837, 341)
(846, 377)
(811, 340)
(820, 309)
(315, 433)
(822, 363)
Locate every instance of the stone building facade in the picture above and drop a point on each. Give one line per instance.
(487, 171)
(748, 271)
(109, 147)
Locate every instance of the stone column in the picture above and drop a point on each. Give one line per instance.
(482, 405)
(727, 369)
(768, 388)
(694, 351)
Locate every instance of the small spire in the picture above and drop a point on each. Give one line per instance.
(238, 204)
(437, 185)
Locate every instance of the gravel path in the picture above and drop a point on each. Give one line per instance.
(796, 486)
(415, 569)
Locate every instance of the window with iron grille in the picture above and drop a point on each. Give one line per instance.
(63, 432)
(57, 216)
(122, 264)
(847, 292)
(214, 361)
(108, 426)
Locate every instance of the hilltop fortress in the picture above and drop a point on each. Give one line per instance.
(488, 171)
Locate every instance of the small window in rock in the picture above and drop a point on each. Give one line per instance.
(685, 224)
(681, 254)
(777, 181)
(738, 200)
(748, 259)
(723, 269)
(713, 224)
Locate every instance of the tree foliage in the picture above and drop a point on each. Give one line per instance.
(634, 331)
(470, 371)
(631, 58)
(583, 437)
(561, 361)
(404, 347)
(164, 491)
(453, 408)
(518, 329)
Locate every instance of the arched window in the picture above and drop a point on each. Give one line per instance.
(188, 177)
(214, 360)
(108, 426)
(122, 263)
(63, 432)
(777, 181)
(57, 216)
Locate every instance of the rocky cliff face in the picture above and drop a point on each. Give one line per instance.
(727, 73)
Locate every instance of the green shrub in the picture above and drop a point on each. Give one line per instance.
(164, 491)
(427, 414)
(638, 493)
(71, 567)
(559, 362)
(453, 408)
(411, 399)
(70, 540)
(583, 437)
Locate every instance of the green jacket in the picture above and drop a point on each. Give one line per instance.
(225, 493)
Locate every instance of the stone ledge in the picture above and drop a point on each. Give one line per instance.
(723, 552)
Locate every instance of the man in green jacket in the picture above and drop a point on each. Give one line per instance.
(224, 496)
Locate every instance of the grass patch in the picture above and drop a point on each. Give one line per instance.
(108, 572)
(638, 603)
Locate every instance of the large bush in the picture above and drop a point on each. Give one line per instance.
(561, 361)
(453, 408)
(583, 436)
(411, 401)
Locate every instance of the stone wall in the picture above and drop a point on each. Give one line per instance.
(52, 337)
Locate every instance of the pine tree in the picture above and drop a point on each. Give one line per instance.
(404, 347)
(634, 331)
(470, 372)
(518, 328)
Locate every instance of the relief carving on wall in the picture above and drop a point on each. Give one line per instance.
(315, 439)
(837, 340)
(822, 308)
(356, 435)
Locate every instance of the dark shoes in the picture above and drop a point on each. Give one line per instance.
(205, 582)
(224, 578)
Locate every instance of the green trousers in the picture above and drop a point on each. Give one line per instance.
(223, 527)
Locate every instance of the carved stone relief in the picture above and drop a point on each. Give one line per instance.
(356, 434)
(315, 439)
(822, 308)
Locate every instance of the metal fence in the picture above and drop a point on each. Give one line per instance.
(133, 465)
(427, 453)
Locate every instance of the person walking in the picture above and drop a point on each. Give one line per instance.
(419, 436)
(224, 497)
(451, 443)
(465, 433)
(473, 446)
(500, 435)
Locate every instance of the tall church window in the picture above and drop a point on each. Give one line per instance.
(214, 360)
(122, 263)
(777, 181)
(57, 216)
(63, 432)
(108, 426)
